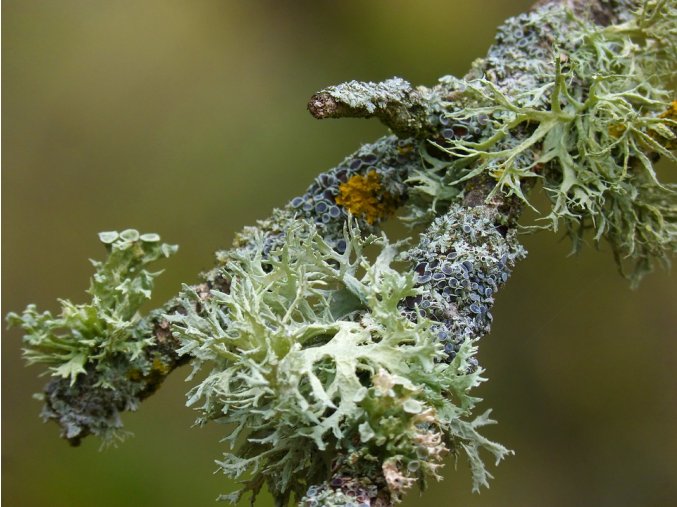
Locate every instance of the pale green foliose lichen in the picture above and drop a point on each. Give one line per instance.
(89, 335)
(309, 358)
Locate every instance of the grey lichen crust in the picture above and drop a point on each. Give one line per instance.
(460, 262)
(368, 96)
(395, 102)
(344, 378)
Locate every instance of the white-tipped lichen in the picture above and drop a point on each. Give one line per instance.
(91, 334)
(101, 354)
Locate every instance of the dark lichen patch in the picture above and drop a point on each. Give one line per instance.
(461, 262)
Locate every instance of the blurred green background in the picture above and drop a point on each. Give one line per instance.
(188, 118)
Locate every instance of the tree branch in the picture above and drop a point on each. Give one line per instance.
(402, 108)
(296, 294)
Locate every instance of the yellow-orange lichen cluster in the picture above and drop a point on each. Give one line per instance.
(364, 196)
(617, 130)
(671, 112)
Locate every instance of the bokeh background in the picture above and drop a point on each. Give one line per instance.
(188, 118)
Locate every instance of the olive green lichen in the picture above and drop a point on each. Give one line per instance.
(589, 127)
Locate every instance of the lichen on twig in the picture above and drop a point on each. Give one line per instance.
(346, 379)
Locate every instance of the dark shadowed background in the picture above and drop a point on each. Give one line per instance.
(188, 118)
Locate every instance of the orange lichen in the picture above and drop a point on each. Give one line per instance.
(671, 112)
(160, 367)
(363, 195)
(158, 370)
(405, 149)
(617, 130)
